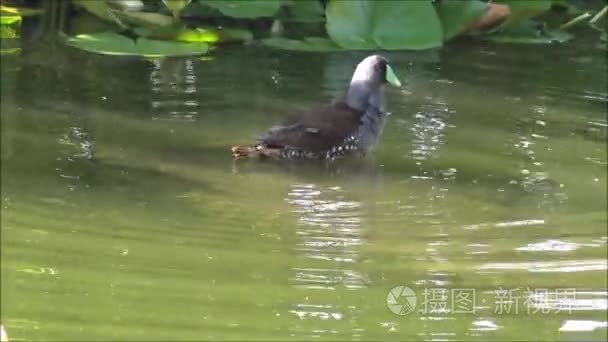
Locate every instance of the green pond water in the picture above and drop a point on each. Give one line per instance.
(124, 216)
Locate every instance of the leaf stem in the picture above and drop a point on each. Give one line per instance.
(575, 21)
(599, 16)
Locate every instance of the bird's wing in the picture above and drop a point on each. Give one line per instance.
(316, 130)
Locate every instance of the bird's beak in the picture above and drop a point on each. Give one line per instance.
(391, 77)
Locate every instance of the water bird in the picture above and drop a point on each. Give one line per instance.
(349, 126)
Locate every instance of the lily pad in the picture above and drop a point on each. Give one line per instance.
(245, 9)
(385, 24)
(110, 43)
(457, 15)
(313, 44)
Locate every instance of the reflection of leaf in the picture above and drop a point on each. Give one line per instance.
(307, 44)
(109, 43)
(457, 15)
(245, 9)
(392, 25)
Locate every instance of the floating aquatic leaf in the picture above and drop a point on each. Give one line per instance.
(457, 15)
(110, 43)
(20, 11)
(9, 19)
(245, 9)
(316, 44)
(392, 25)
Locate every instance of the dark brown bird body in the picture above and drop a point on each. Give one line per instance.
(348, 126)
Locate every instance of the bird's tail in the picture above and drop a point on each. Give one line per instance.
(257, 151)
(245, 152)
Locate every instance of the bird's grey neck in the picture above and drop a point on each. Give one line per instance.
(362, 96)
(371, 102)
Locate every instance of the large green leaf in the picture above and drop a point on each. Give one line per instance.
(245, 8)
(316, 44)
(385, 24)
(109, 43)
(457, 15)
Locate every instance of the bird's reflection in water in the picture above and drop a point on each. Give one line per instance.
(328, 239)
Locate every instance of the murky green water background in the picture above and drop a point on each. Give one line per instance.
(124, 216)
